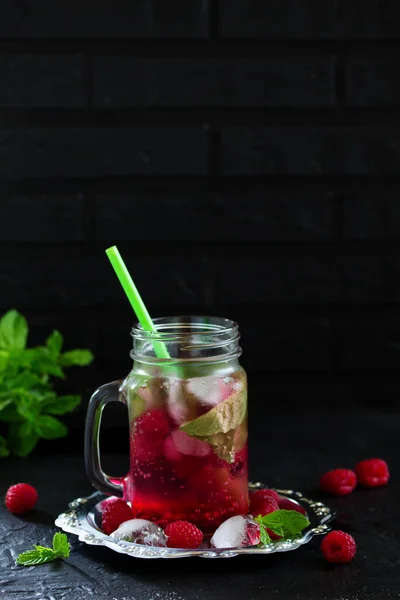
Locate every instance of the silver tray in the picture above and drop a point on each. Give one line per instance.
(83, 519)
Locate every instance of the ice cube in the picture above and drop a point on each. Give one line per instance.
(236, 532)
(228, 386)
(177, 401)
(189, 446)
(170, 450)
(205, 389)
(211, 391)
(140, 531)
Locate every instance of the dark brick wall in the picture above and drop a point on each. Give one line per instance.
(245, 157)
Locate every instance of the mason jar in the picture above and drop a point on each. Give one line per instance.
(187, 424)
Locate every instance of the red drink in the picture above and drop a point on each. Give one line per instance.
(188, 455)
(188, 424)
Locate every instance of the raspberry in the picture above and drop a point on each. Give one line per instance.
(262, 503)
(182, 534)
(338, 547)
(148, 433)
(153, 422)
(266, 493)
(274, 536)
(338, 482)
(239, 467)
(20, 498)
(287, 504)
(373, 472)
(115, 512)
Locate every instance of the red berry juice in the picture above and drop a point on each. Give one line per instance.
(188, 448)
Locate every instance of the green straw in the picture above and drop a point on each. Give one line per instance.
(134, 298)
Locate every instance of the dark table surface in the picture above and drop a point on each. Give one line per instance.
(287, 450)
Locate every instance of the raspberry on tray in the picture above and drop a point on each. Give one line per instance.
(115, 512)
(182, 534)
(263, 502)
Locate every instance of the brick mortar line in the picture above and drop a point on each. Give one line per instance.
(284, 249)
(343, 313)
(379, 117)
(201, 46)
(196, 184)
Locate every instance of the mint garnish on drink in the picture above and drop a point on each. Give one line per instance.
(217, 427)
(288, 524)
(41, 554)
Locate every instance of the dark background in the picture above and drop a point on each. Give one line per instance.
(244, 156)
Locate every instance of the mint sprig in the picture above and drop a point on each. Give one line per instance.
(41, 554)
(288, 524)
(28, 403)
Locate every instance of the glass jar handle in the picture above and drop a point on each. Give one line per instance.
(110, 392)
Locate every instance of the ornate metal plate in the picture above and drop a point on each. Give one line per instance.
(84, 515)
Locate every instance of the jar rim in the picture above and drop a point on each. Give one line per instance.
(176, 328)
(188, 339)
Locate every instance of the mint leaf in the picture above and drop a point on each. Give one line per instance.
(264, 537)
(49, 428)
(41, 360)
(61, 545)
(27, 406)
(13, 330)
(55, 342)
(62, 404)
(24, 358)
(44, 397)
(78, 358)
(277, 531)
(5, 402)
(35, 557)
(41, 554)
(26, 380)
(45, 552)
(288, 524)
(4, 358)
(9, 414)
(22, 438)
(224, 417)
(44, 362)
